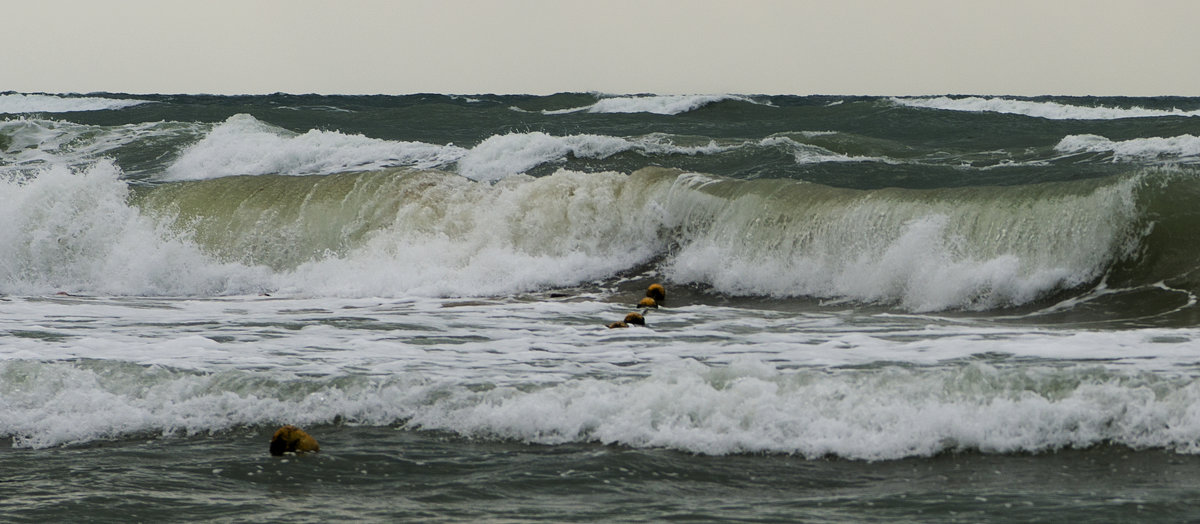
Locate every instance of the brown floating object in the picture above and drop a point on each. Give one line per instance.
(291, 439)
(648, 303)
(635, 318)
(657, 292)
(618, 324)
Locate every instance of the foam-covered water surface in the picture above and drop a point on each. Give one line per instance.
(701, 378)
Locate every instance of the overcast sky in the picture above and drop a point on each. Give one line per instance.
(889, 47)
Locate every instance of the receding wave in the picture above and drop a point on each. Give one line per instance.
(20, 103)
(1040, 109)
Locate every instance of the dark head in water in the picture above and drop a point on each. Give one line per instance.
(632, 319)
(657, 292)
(291, 439)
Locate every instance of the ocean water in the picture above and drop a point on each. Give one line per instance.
(937, 309)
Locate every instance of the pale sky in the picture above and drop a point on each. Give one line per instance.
(879, 47)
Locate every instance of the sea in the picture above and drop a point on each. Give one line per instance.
(916, 309)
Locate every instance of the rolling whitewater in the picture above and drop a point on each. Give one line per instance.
(949, 308)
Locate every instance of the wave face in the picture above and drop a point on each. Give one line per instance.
(344, 235)
(925, 250)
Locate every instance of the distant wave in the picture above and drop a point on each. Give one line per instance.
(19, 103)
(1048, 110)
(243, 145)
(661, 105)
(1182, 148)
(811, 154)
(28, 144)
(515, 153)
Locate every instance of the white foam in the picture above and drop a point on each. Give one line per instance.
(62, 404)
(243, 145)
(700, 379)
(1182, 148)
(75, 231)
(892, 413)
(19, 103)
(1048, 110)
(745, 406)
(660, 104)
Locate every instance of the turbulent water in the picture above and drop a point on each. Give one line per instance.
(930, 308)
